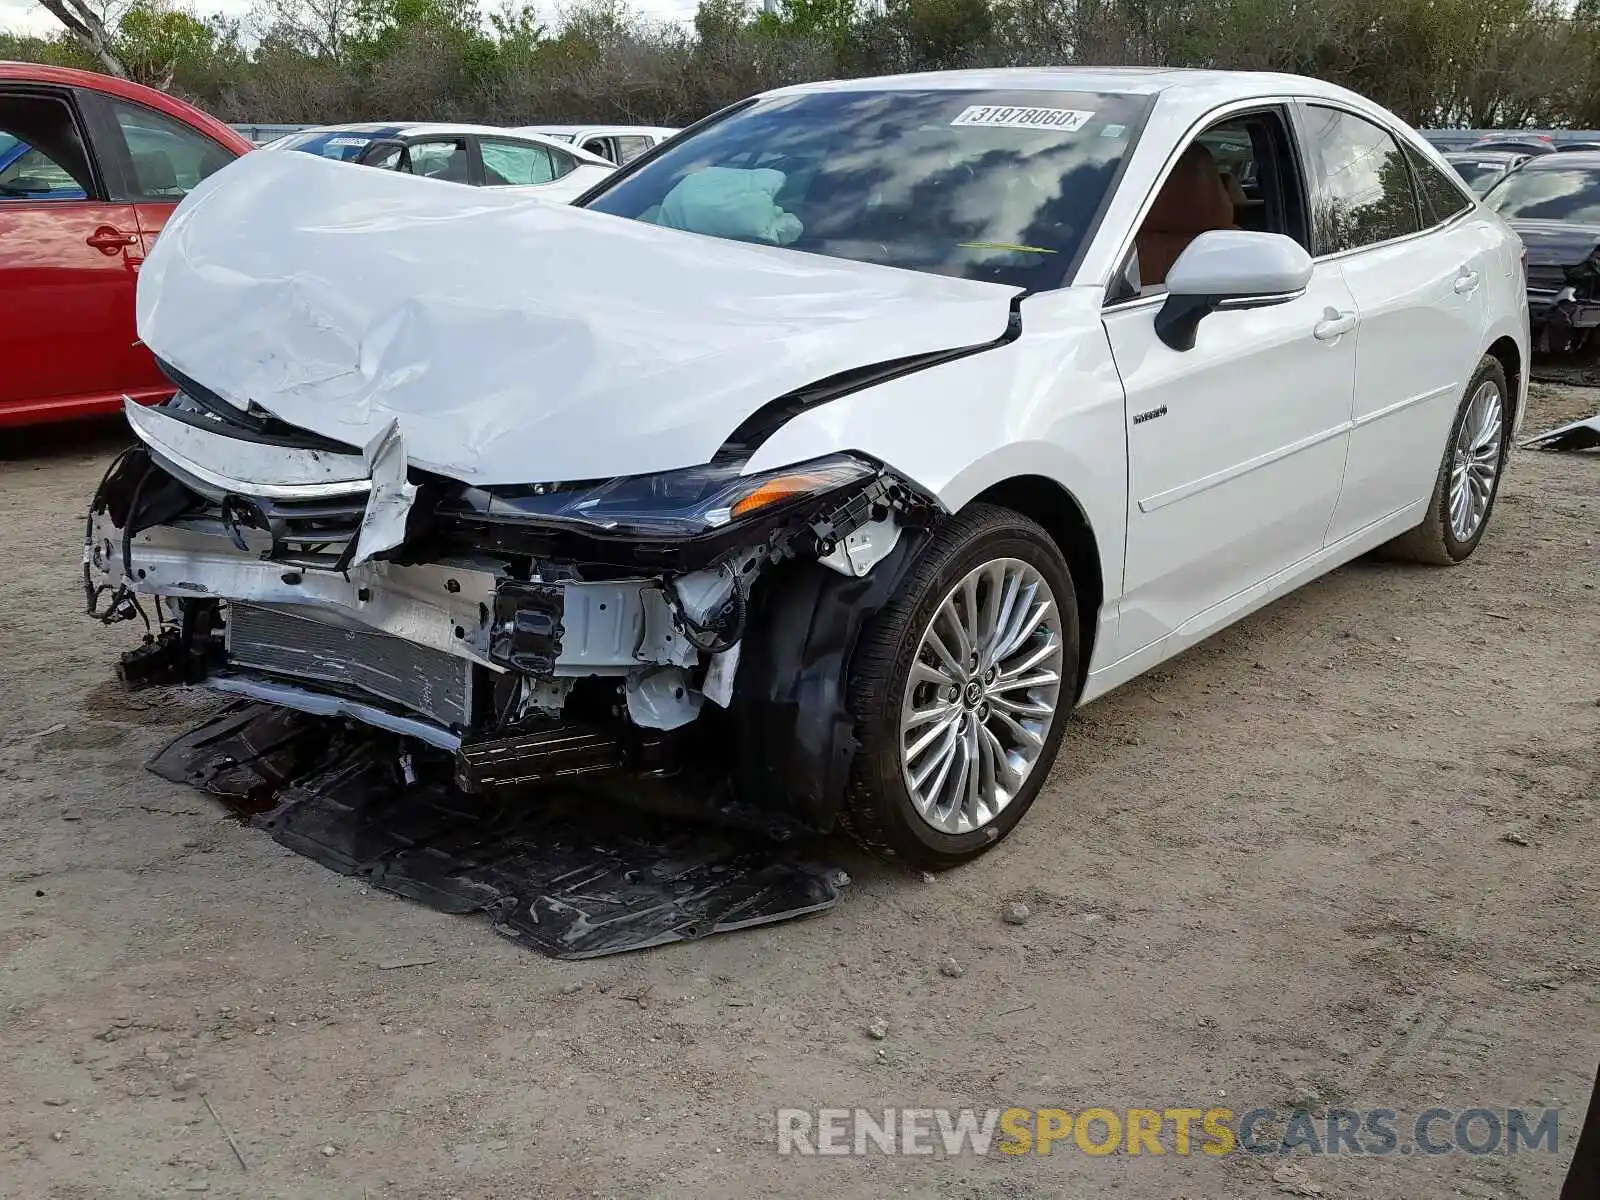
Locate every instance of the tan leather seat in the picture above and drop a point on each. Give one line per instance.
(1194, 200)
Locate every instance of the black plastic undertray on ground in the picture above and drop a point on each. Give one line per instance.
(557, 869)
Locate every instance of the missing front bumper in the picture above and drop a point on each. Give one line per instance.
(531, 652)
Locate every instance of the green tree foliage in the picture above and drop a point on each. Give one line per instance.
(160, 44)
(1466, 62)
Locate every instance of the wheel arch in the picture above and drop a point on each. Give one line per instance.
(1505, 350)
(1058, 511)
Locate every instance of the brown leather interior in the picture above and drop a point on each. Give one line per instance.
(1194, 200)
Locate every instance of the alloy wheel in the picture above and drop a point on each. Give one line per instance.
(1475, 461)
(981, 695)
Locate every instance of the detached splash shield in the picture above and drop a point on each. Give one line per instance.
(565, 876)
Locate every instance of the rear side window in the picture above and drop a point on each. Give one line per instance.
(1442, 197)
(630, 146)
(1364, 193)
(169, 159)
(517, 164)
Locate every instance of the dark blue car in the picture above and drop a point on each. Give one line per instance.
(27, 174)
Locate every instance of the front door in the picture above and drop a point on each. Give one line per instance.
(1236, 447)
(66, 266)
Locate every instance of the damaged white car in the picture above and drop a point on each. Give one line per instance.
(830, 455)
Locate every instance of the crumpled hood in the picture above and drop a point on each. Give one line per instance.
(514, 340)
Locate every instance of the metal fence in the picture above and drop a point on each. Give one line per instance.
(262, 134)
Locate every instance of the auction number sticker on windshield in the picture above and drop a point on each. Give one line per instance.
(1005, 116)
(349, 141)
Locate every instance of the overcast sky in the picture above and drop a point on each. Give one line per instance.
(28, 16)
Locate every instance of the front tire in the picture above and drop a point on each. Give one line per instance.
(1469, 476)
(960, 689)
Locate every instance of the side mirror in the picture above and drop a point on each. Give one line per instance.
(1229, 269)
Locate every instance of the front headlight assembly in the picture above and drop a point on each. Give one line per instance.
(674, 504)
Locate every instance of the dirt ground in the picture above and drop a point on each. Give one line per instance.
(1343, 853)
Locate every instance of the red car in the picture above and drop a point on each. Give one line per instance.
(90, 168)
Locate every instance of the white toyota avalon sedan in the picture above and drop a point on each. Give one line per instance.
(826, 458)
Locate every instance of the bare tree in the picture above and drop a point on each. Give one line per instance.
(319, 27)
(86, 22)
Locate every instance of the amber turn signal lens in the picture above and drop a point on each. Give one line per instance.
(786, 487)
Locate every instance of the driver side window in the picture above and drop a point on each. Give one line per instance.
(1240, 173)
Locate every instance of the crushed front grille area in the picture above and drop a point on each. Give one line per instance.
(421, 679)
(553, 869)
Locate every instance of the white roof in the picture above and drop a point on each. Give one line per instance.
(1202, 87)
(602, 130)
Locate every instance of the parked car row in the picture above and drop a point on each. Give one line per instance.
(1549, 191)
(1553, 202)
(91, 167)
(1482, 169)
(480, 155)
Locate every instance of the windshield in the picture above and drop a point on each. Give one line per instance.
(1549, 195)
(332, 143)
(994, 186)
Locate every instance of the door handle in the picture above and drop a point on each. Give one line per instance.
(1334, 325)
(109, 241)
(1467, 282)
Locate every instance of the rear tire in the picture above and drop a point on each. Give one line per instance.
(985, 715)
(1469, 476)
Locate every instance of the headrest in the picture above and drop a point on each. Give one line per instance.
(154, 171)
(1194, 199)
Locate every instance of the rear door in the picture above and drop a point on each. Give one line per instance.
(66, 265)
(1416, 263)
(160, 158)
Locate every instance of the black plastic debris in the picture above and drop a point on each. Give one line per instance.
(1576, 435)
(245, 755)
(557, 869)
